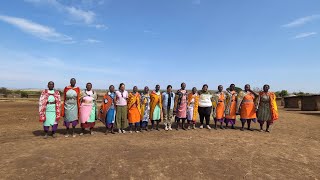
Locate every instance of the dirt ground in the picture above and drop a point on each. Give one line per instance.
(290, 151)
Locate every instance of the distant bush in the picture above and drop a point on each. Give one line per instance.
(282, 93)
(301, 93)
(4, 91)
(24, 94)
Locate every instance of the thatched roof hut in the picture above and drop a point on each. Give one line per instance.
(292, 102)
(310, 103)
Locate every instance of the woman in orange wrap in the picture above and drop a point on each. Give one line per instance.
(267, 109)
(231, 106)
(193, 104)
(107, 113)
(134, 111)
(219, 107)
(155, 107)
(246, 106)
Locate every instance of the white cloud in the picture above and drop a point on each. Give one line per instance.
(302, 21)
(37, 30)
(92, 41)
(146, 31)
(77, 14)
(81, 15)
(304, 35)
(100, 26)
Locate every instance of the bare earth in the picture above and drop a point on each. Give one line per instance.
(291, 151)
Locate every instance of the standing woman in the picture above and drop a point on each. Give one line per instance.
(246, 105)
(205, 106)
(107, 110)
(122, 109)
(219, 107)
(71, 105)
(88, 109)
(192, 111)
(180, 106)
(145, 108)
(267, 109)
(167, 107)
(49, 109)
(156, 107)
(134, 111)
(231, 106)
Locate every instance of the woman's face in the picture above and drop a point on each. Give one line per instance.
(205, 88)
(89, 87)
(194, 90)
(111, 88)
(50, 85)
(135, 89)
(122, 87)
(232, 87)
(183, 86)
(73, 82)
(146, 89)
(266, 88)
(157, 88)
(169, 89)
(247, 87)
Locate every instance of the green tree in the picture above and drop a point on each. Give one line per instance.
(282, 93)
(4, 91)
(300, 93)
(24, 94)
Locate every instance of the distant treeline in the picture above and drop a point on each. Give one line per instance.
(285, 93)
(23, 94)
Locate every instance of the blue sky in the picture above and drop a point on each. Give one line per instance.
(149, 42)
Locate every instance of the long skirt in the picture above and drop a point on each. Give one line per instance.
(156, 114)
(50, 115)
(248, 111)
(134, 115)
(121, 117)
(87, 115)
(110, 117)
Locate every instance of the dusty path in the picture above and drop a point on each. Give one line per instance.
(291, 151)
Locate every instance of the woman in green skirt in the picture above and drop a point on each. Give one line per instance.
(49, 109)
